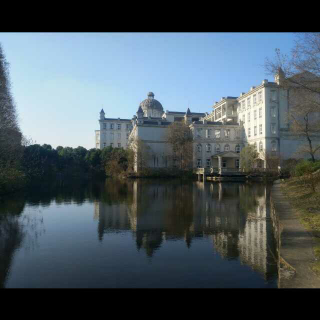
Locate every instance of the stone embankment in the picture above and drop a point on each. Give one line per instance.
(295, 244)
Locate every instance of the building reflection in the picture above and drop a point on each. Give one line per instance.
(235, 216)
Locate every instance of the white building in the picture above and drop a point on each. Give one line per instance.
(113, 132)
(258, 117)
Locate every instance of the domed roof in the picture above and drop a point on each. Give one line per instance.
(151, 103)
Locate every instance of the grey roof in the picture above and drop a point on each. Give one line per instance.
(178, 112)
(150, 122)
(140, 110)
(189, 113)
(101, 111)
(151, 103)
(117, 119)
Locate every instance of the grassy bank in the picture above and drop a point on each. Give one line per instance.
(307, 204)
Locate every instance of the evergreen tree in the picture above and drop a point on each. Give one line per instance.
(10, 135)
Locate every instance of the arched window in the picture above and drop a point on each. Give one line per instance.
(273, 145)
(217, 147)
(208, 147)
(237, 148)
(260, 146)
(226, 147)
(199, 147)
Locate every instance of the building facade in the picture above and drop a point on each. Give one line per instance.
(258, 117)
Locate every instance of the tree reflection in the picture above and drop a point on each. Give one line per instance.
(233, 215)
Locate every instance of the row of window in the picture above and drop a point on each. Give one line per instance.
(255, 131)
(224, 163)
(273, 146)
(111, 126)
(273, 130)
(217, 148)
(112, 136)
(111, 144)
(272, 111)
(255, 101)
(217, 133)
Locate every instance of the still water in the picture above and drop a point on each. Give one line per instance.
(146, 233)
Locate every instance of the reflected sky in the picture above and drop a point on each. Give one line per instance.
(145, 233)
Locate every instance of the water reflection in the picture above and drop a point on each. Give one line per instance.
(234, 217)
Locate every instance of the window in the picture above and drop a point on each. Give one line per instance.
(248, 116)
(217, 133)
(260, 129)
(249, 132)
(199, 163)
(243, 105)
(208, 147)
(255, 130)
(224, 110)
(273, 112)
(237, 148)
(226, 147)
(260, 146)
(199, 132)
(111, 125)
(260, 96)
(273, 95)
(217, 147)
(224, 163)
(199, 147)
(111, 135)
(255, 146)
(104, 144)
(237, 163)
(273, 128)
(128, 126)
(238, 134)
(260, 112)
(255, 115)
(227, 133)
(128, 135)
(208, 163)
(273, 146)
(119, 145)
(119, 126)
(244, 119)
(104, 126)
(254, 99)
(249, 102)
(208, 133)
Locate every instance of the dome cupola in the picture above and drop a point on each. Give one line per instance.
(151, 107)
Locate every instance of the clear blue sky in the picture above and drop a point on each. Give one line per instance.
(60, 81)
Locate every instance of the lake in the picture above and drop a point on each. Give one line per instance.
(138, 234)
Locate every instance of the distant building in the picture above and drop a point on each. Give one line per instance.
(258, 117)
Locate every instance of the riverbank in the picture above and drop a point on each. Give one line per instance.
(296, 232)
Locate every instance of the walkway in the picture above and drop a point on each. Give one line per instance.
(296, 245)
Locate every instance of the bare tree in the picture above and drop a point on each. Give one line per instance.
(179, 136)
(299, 76)
(272, 161)
(248, 157)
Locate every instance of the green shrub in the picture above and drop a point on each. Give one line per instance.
(306, 167)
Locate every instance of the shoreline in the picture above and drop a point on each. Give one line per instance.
(295, 244)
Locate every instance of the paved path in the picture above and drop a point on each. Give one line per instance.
(296, 246)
